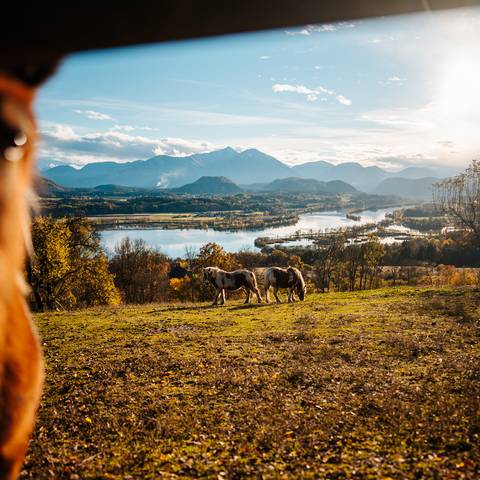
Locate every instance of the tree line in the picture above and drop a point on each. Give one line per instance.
(69, 269)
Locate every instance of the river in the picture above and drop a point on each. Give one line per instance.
(175, 242)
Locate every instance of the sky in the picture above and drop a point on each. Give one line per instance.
(393, 92)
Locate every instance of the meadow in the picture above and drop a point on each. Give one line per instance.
(372, 384)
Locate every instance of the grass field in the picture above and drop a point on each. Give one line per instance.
(376, 384)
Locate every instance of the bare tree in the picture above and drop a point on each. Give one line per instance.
(459, 198)
(328, 262)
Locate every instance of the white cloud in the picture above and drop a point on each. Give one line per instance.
(325, 27)
(93, 115)
(383, 39)
(303, 31)
(285, 87)
(343, 100)
(264, 57)
(131, 128)
(312, 94)
(393, 80)
(62, 144)
(63, 133)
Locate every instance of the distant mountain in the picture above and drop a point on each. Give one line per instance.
(254, 187)
(209, 186)
(363, 178)
(419, 188)
(164, 171)
(308, 185)
(111, 189)
(248, 167)
(45, 187)
(415, 172)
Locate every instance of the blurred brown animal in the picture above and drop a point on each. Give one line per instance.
(21, 364)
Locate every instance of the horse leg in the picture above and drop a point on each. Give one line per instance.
(266, 288)
(223, 296)
(248, 296)
(275, 293)
(217, 293)
(291, 296)
(257, 293)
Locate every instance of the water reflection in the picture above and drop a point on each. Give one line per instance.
(175, 242)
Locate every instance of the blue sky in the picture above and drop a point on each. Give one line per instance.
(392, 92)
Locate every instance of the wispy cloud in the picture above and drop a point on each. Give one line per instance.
(62, 144)
(264, 57)
(325, 27)
(343, 100)
(93, 115)
(393, 80)
(131, 128)
(381, 39)
(312, 94)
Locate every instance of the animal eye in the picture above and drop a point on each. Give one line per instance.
(14, 127)
(13, 154)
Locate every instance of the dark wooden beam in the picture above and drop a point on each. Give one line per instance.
(44, 30)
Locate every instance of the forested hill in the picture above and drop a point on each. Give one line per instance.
(209, 186)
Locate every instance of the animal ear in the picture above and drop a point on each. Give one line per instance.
(33, 74)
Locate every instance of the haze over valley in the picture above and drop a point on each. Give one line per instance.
(251, 170)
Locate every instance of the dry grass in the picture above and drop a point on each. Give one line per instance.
(379, 384)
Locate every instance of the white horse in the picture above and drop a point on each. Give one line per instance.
(235, 280)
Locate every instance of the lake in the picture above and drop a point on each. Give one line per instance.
(174, 242)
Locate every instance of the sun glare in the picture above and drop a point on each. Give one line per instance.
(459, 92)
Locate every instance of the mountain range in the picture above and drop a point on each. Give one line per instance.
(308, 185)
(418, 188)
(246, 167)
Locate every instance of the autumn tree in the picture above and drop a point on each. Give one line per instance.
(372, 252)
(141, 272)
(459, 198)
(328, 261)
(250, 259)
(213, 255)
(68, 267)
(277, 258)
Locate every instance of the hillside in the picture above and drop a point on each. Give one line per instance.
(304, 185)
(420, 188)
(45, 187)
(110, 189)
(375, 384)
(210, 186)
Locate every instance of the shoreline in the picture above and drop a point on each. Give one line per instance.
(217, 221)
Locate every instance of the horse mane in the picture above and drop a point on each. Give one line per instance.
(21, 364)
(297, 276)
